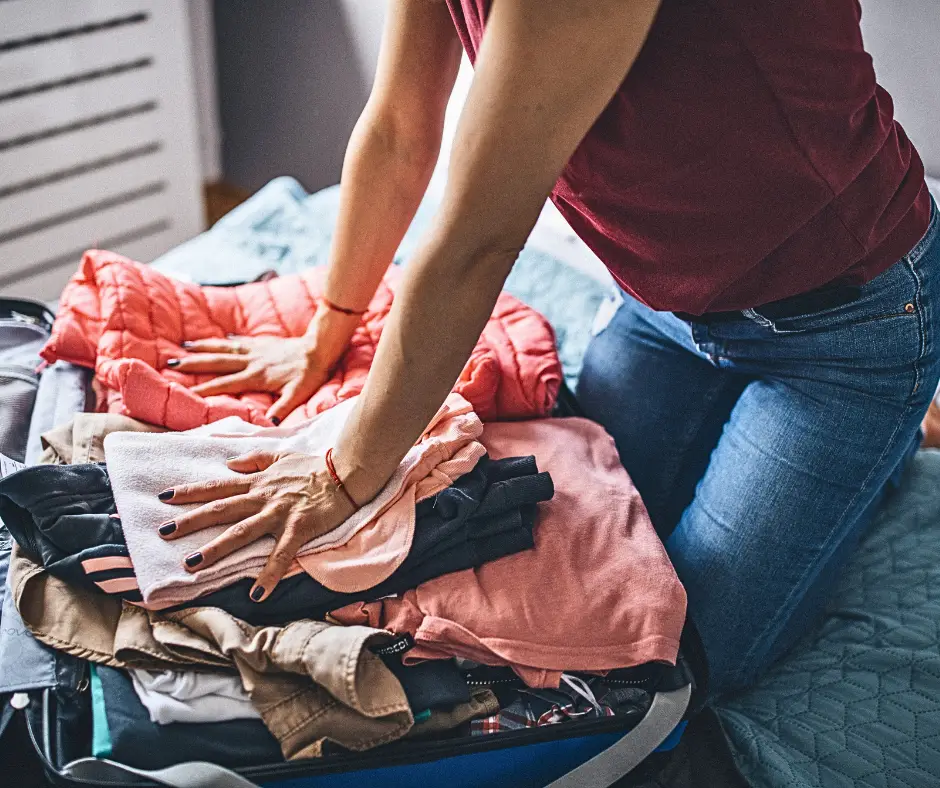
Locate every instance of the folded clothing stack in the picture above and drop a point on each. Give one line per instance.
(468, 552)
(64, 517)
(358, 554)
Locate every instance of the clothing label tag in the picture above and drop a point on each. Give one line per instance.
(399, 645)
(8, 466)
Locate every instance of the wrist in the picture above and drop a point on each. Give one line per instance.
(328, 335)
(358, 479)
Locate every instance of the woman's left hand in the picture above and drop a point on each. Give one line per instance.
(288, 496)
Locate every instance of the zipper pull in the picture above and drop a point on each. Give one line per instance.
(20, 700)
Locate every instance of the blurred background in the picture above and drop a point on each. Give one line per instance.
(133, 124)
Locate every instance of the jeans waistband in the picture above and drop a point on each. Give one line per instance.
(828, 296)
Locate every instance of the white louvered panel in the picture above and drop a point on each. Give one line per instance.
(47, 285)
(27, 18)
(68, 151)
(86, 100)
(43, 203)
(98, 139)
(63, 59)
(87, 232)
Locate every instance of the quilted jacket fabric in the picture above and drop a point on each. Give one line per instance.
(126, 321)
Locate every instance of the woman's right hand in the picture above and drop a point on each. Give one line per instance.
(293, 367)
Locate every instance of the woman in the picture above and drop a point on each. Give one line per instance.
(739, 171)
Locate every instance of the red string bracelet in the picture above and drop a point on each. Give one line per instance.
(336, 480)
(342, 309)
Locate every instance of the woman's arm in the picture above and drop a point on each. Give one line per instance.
(389, 160)
(544, 73)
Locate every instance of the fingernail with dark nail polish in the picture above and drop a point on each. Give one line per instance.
(165, 495)
(167, 528)
(187, 345)
(275, 421)
(256, 593)
(193, 560)
(173, 362)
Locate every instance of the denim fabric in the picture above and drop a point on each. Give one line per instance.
(63, 392)
(762, 445)
(25, 663)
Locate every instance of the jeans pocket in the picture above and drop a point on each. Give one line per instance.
(891, 295)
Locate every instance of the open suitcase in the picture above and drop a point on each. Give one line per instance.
(585, 754)
(50, 697)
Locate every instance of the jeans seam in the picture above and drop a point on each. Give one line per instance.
(921, 324)
(776, 623)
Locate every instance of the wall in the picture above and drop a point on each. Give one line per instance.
(293, 78)
(903, 37)
(202, 36)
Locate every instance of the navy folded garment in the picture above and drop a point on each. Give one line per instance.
(433, 684)
(123, 732)
(64, 517)
(486, 514)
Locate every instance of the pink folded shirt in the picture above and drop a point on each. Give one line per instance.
(360, 553)
(597, 592)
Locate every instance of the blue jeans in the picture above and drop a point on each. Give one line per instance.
(763, 445)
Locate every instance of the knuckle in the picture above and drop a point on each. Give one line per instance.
(240, 530)
(283, 554)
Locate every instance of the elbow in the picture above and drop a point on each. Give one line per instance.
(411, 144)
(471, 259)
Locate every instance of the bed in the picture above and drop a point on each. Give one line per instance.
(857, 702)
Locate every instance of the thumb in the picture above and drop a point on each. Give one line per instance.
(253, 462)
(293, 395)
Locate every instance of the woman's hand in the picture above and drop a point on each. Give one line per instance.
(294, 367)
(288, 496)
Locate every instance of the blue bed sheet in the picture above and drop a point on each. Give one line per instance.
(857, 702)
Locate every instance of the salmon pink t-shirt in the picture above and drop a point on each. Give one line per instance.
(597, 591)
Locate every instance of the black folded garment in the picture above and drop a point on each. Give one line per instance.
(64, 515)
(125, 733)
(486, 514)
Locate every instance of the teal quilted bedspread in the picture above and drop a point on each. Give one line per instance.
(857, 703)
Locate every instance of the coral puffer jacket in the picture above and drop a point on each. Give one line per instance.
(126, 320)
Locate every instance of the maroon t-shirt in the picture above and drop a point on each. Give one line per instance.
(748, 156)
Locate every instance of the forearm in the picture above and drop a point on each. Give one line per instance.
(385, 174)
(439, 312)
(512, 143)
